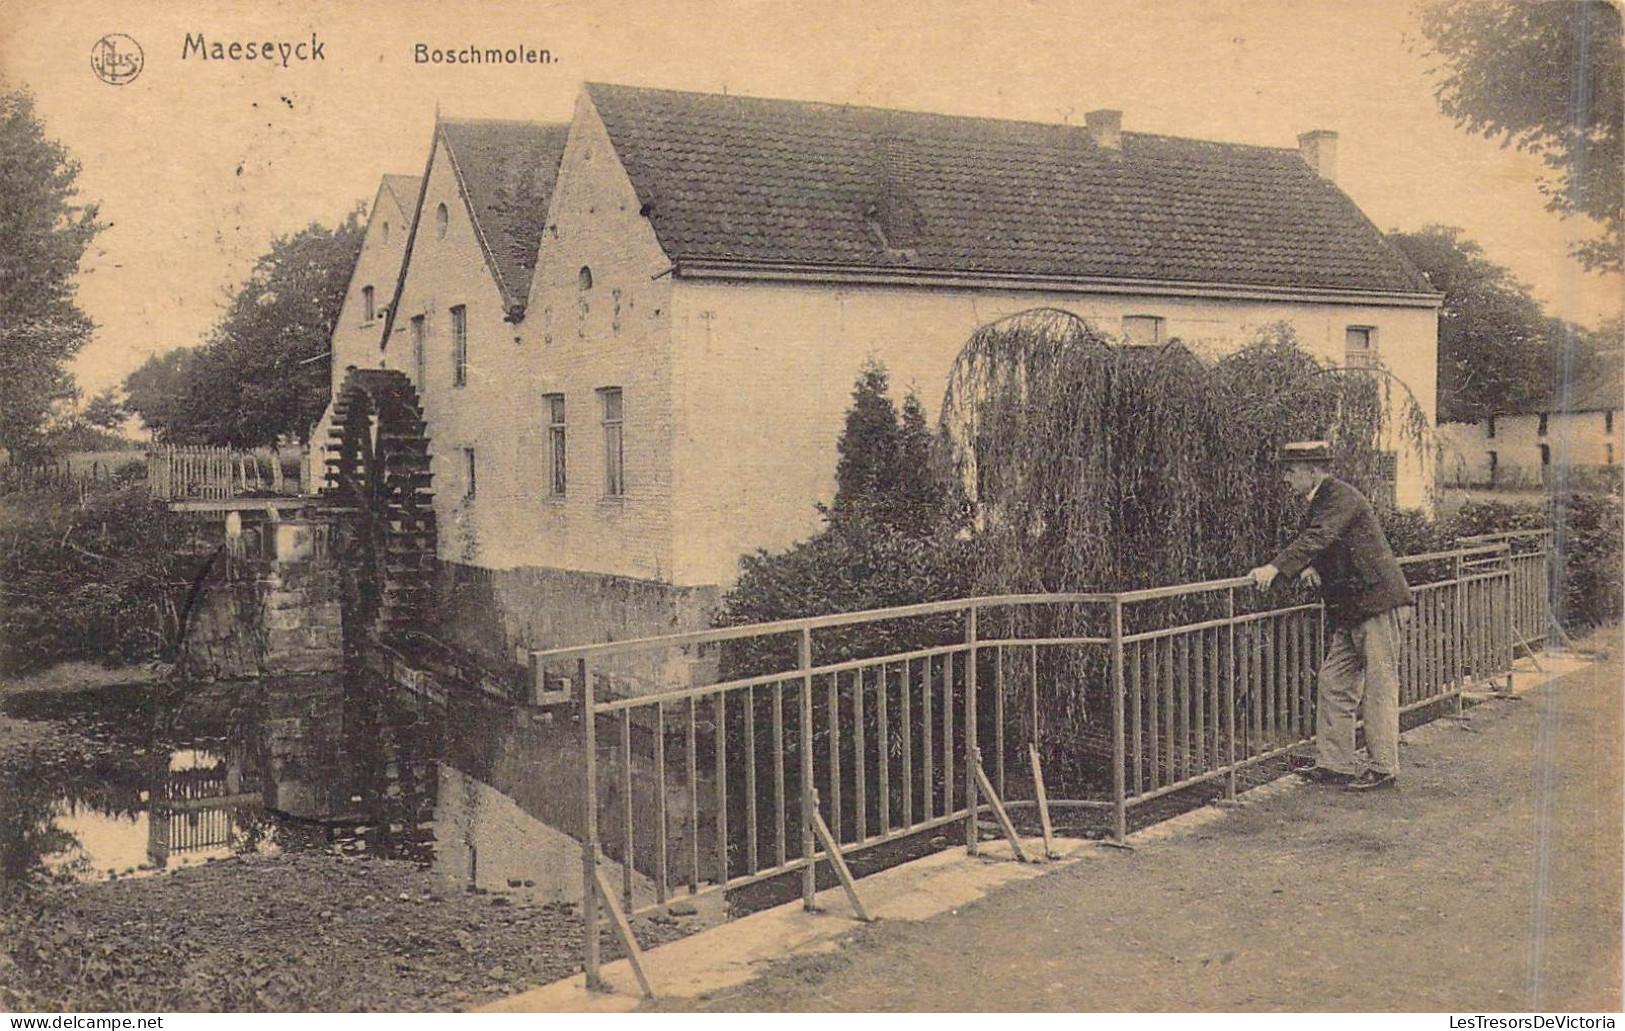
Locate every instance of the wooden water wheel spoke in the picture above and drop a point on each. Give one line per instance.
(378, 480)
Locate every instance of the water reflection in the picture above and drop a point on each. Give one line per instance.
(484, 793)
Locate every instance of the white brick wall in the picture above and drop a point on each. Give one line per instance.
(445, 273)
(355, 339)
(616, 334)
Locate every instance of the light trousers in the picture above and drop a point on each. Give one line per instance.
(1359, 677)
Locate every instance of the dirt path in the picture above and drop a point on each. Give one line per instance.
(1490, 882)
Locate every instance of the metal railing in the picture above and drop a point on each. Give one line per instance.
(825, 724)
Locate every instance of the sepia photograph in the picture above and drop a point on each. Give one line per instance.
(806, 506)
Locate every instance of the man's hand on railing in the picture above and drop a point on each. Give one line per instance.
(1309, 577)
(1263, 576)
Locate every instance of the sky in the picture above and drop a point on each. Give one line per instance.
(198, 165)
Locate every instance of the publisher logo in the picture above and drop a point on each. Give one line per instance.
(116, 59)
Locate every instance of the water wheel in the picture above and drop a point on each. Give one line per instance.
(378, 480)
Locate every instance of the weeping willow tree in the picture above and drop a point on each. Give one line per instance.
(1098, 467)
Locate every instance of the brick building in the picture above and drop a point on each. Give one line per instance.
(1581, 435)
(664, 304)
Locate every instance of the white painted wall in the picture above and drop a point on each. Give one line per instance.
(1578, 439)
(764, 375)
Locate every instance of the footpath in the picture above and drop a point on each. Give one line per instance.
(1490, 881)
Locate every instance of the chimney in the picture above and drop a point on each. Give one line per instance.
(1319, 150)
(1105, 128)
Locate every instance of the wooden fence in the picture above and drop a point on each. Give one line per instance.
(218, 473)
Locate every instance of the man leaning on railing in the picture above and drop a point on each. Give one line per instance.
(1342, 551)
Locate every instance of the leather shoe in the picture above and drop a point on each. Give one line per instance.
(1371, 780)
(1322, 775)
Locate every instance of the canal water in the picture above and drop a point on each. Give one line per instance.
(176, 775)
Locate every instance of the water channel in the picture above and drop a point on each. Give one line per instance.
(180, 774)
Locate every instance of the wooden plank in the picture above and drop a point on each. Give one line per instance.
(997, 805)
(835, 753)
(836, 860)
(623, 932)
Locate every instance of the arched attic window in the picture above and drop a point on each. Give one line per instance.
(442, 218)
(386, 231)
(584, 278)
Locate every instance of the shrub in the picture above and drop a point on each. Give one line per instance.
(890, 538)
(1587, 531)
(83, 582)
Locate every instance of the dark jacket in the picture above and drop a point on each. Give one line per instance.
(1342, 541)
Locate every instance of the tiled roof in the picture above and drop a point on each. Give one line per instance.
(508, 170)
(405, 190)
(748, 180)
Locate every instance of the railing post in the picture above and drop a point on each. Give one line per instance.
(1460, 634)
(809, 873)
(971, 751)
(1119, 802)
(589, 837)
(1229, 693)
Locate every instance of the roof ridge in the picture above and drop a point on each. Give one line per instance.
(833, 106)
(536, 123)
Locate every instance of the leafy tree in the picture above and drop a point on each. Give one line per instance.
(1495, 341)
(104, 411)
(262, 374)
(158, 392)
(1545, 78)
(1498, 349)
(43, 235)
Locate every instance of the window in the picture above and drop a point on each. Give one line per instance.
(1610, 449)
(386, 232)
(1491, 428)
(1608, 421)
(1142, 329)
(1495, 462)
(420, 342)
(470, 482)
(614, 467)
(556, 481)
(1545, 455)
(459, 346)
(584, 278)
(442, 218)
(367, 310)
(1541, 429)
(1388, 475)
(1359, 347)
